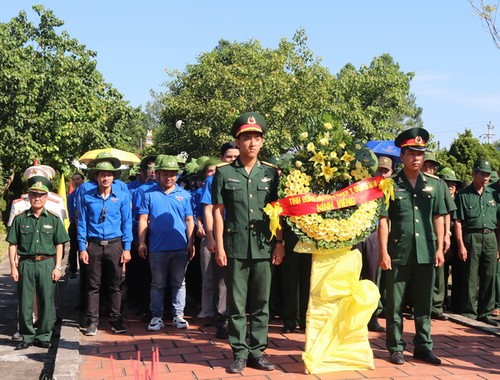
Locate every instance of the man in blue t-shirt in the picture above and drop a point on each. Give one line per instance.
(166, 217)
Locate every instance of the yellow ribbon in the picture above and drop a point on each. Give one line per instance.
(274, 216)
(387, 187)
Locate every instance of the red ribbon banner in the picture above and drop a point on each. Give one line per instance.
(360, 192)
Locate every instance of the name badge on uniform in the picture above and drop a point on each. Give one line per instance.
(428, 188)
(400, 189)
(47, 226)
(266, 179)
(233, 180)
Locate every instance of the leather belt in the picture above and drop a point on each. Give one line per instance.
(105, 242)
(35, 257)
(483, 231)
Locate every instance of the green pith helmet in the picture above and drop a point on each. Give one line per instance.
(105, 156)
(431, 156)
(248, 122)
(105, 166)
(165, 162)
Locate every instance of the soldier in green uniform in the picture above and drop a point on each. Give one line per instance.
(430, 167)
(411, 234)
(240, 191)
(36, 240)
(476, 229)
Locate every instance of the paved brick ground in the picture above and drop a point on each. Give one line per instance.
(195, 353)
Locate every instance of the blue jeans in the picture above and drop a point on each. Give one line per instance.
(171, 266)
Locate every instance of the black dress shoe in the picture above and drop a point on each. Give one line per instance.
(43, 344)
(489, 321)
(287, 330)
(23, 346)
(237, 366)
(260, 363)
(439, 316)
(397, 358)
(373, 325)
(428, 357)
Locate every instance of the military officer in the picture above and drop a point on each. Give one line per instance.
(430, 167)
(476, 229)
(240, 191)
(411, 232)
(36, 240)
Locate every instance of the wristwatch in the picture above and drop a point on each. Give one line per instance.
(282, 242)
(60, 269)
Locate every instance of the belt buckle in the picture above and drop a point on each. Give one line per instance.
(38, 258)
(104, 242)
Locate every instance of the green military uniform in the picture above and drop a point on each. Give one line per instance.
(248, 249)
(36, 239)
(478, 216)
(412, 248)
(439, 284)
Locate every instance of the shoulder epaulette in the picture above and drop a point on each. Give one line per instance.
(269, 164)
(222, 164)
(53, 213)
(432, 176)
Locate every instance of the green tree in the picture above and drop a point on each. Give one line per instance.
(466, 149)
(55, 104)
(375, 101)
(288, 86)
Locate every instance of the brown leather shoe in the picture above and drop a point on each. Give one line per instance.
(260, 363)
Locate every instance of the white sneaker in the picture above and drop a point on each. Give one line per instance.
(180, 322)
(156, 324)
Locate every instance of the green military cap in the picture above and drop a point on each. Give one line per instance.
(191, 167)
(147, 162)
(105, 166)
(212, 161)
(165, 162)
(249, 122)
(134, 170)
(413, 138)
(39, 184)
(201, 160)
(108, 157)
(482, 166)
(431, 156)
(448, 175)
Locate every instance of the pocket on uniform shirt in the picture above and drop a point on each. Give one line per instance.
(234, 191)
(262, 192)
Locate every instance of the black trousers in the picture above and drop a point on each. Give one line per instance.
(104, 265)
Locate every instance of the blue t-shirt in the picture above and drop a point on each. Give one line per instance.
(167, 217)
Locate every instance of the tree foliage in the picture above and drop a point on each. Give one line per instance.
(289, 86)
(466, 149)
(55, 104)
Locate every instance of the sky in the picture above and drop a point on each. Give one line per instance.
(455, 61)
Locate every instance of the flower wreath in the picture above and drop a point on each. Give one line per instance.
(336, 175)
